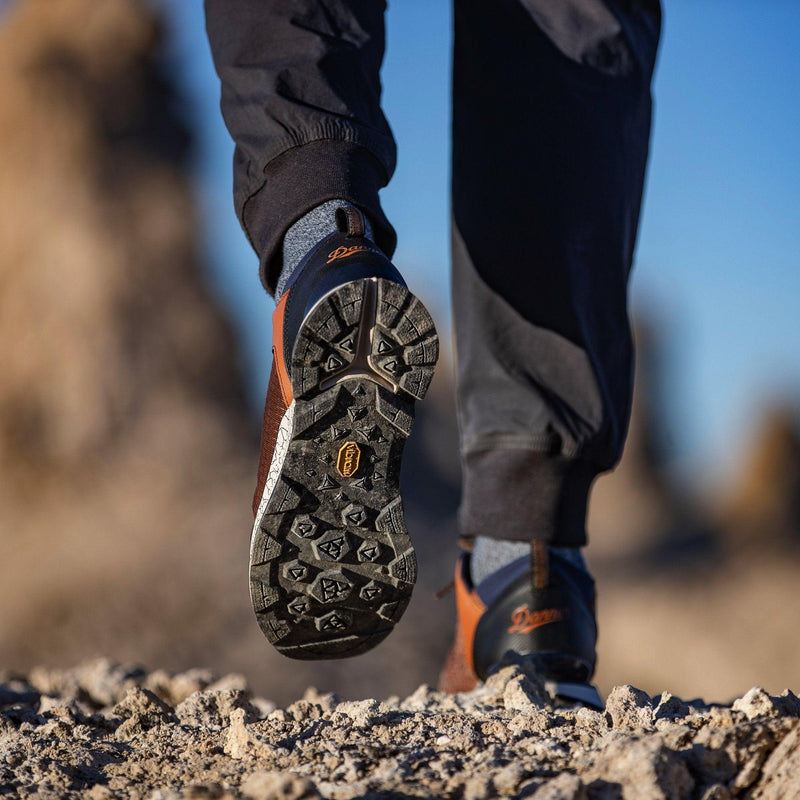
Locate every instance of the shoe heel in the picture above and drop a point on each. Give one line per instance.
(372, 328)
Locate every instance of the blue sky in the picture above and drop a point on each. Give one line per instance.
(718, 260)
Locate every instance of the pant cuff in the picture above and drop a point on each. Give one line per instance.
(302, 178)
(523, 495)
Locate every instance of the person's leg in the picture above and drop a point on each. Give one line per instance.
(301, 99)
(549, 157)
(331, 563)
(551, 121)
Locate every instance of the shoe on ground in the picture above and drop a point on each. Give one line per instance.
(543, 609)
(331, 563)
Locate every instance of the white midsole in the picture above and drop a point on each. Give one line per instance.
(275, 467)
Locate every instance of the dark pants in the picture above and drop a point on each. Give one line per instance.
(551, 122)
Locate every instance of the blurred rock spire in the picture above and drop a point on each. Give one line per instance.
(103, 316)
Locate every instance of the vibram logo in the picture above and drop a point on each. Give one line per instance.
(349, 456)
(344, 252)
(523, 620)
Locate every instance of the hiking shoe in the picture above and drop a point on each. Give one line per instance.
(541, 608)
(331, 564)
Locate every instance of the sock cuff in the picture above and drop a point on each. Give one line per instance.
(491, 555)
(305, 234)
(305, 177)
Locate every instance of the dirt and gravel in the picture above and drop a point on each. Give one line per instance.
(103, 730)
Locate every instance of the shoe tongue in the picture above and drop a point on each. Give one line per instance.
(491, 587)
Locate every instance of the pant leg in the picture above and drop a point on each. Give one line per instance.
(551, 123)
(301, 99)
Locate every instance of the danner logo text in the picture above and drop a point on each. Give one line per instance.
(523, 620)
(344, 252)
(349, 456)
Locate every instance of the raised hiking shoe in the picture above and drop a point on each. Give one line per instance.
(331, 564)
(541, 608)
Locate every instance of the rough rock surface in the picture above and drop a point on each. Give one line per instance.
(102, 730)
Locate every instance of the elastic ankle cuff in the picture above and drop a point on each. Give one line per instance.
(304, 177)
(523, 495)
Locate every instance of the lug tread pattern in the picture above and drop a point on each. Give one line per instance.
(333, 566)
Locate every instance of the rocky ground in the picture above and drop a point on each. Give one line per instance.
(102, 730)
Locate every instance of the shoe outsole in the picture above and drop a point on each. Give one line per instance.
(332, 566)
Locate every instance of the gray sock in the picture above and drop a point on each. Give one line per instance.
(490, 555)
(306, 234)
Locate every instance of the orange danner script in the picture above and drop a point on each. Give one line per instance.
(343, 252)
(524, 620)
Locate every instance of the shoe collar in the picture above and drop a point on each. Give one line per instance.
(496, 584)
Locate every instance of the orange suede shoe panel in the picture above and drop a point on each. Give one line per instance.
(277, 350)
(458, 673)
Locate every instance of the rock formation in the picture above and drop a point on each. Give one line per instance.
(760, 509)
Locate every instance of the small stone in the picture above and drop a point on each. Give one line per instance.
(591, 720)
(233, 681)
(716, 792)
(327, 702)
(302, 710)
(185, 683)
(422, 699)
(523, 694)
(239, 742)
(361, 712)
(670, 708)
(140, 701)
(478, 788)
(780, 774)
(518, 685)
(278, 786)
(750, 770)
(758, 703)
(789, 703)
(708, 757)
(212, 708)
(563, 787)
(524, 725)
(99, 792)
(53, 705)
(206, 791)
(242, 741)
(106, 682)
(507, 780)
(644, 768)
(628, 707)
(141, 710)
